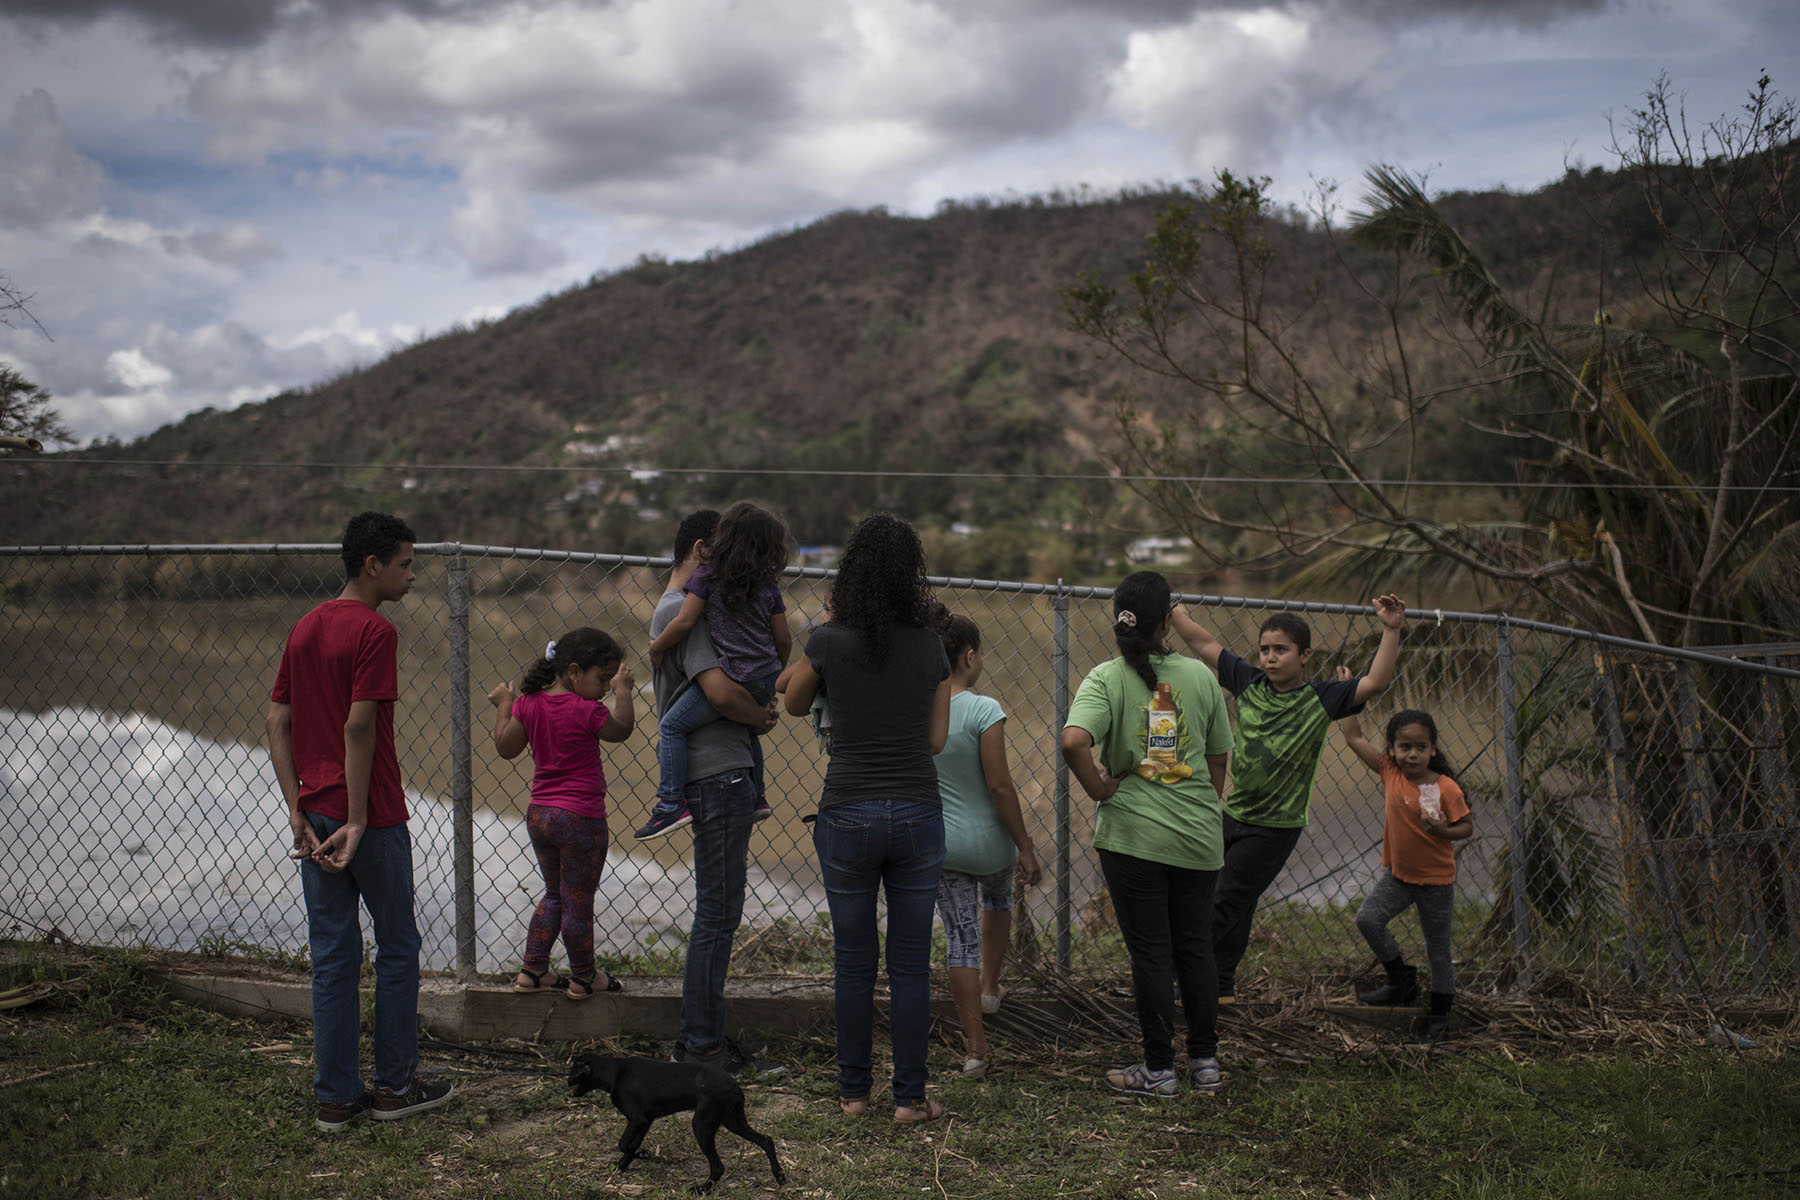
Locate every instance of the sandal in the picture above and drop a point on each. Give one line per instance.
(912, 1114)
(556, 984)
(853, 1106)
(587, 986)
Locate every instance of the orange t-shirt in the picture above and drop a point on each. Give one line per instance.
(1413, 855)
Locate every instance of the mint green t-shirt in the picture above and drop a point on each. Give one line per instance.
(975, 842)
(1171, 817)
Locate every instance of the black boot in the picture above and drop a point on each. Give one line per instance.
(1438, 1017)
(1402, 985)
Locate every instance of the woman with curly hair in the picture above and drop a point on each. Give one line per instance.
(881, 820)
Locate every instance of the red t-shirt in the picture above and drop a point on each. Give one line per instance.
(563, 730)
(1413, 855)
(341, 652)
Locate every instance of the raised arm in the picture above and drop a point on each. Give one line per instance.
(509, 733)
(1392, 614)
(1359, 745)
(1005, 797)
(624, 706)
(1199, 639)
(692, 609)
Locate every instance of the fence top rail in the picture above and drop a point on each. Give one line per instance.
(1016, 587)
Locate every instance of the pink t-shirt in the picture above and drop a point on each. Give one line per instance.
(563, 730)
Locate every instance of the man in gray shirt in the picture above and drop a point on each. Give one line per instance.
(721, 795)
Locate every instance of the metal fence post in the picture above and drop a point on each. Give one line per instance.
(1059, 671)
(1780, 785)
(1624, 818)
(462, 785)
(1515, 812)
(1700, 811)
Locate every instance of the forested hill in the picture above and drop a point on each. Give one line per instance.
(864, 343)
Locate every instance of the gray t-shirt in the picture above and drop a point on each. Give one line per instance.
(880, 717)
(713, 749)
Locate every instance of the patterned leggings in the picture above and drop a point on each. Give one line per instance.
(1389, 899)
(571, 852)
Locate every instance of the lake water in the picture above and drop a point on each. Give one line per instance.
(123, 830)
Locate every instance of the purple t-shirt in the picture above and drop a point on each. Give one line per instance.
(563, 730)
(745, 646)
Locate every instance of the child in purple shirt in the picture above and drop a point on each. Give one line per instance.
(735, 592)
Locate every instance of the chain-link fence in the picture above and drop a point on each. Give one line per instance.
(1633, 809)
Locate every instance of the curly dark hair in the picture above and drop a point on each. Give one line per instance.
(1145, 595)
(881, 583)
(581, 648)
(379, 534)
(746, 553)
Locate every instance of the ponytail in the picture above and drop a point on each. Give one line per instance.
(1140, 604)
(579, 648)
(958, 633)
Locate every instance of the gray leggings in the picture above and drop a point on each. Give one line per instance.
(1389, 899)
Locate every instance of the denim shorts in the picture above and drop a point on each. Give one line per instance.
(961, 900)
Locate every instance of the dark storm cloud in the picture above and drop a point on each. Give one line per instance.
(1521, 13)
(229, 22)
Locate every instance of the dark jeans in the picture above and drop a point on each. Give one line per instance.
(380, 877)
(1165, 916)
(722, 807)
(1254, 856)
(865, 847)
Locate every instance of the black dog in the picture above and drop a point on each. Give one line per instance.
(643, 1089)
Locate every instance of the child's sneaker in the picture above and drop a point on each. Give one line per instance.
(666, 817)
(1140, 1080)
(761, 812)
(1203, 1073)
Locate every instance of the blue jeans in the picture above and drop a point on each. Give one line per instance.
(721, 805)
(381, 877)
(865, 846)
(690, 711)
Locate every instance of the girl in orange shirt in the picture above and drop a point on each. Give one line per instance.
(1426, 816)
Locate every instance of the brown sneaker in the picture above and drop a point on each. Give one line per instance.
(333, 1117)
(417, 1098)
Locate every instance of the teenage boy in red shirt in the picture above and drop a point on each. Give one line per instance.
(331, 737)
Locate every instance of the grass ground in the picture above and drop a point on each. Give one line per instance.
(109, 1089)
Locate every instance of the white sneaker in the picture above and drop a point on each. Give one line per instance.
(991, 1004)
(974, 1068)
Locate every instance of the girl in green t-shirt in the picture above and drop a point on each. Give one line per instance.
(1157, 722)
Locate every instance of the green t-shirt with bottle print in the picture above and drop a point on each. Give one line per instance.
(1164, 811)
(1280, 736)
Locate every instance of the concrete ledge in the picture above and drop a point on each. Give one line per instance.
(649, 1007)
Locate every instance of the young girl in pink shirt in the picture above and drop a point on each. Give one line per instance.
(559, 714)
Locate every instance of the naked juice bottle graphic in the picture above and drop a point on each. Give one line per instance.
(1162, 744)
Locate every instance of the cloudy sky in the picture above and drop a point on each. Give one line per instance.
(212, 200)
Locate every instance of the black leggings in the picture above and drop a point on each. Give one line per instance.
(1165, 915)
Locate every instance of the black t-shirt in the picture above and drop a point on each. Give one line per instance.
(880, 716)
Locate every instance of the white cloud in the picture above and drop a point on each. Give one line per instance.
(137, 372)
